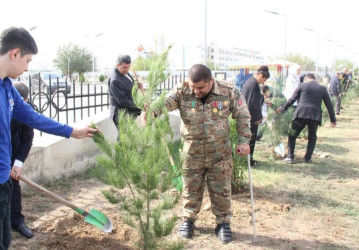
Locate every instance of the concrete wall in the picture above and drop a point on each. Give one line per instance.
(52, 157)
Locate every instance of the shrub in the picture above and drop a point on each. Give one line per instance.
(101, 78)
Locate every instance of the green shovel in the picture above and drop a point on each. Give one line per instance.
(93, 216)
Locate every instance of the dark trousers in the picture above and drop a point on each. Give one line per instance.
(16, 216)
(114, 114)
(114, 117)
(338, 101)
(5, 225)
(297, 126)
(252, 142)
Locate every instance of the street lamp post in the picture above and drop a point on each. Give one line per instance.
(205, 34)
(68, 68)
(31, 29)
(316, 65)
(345, 55)
(285, 38)
(335, 54)
(93, 55)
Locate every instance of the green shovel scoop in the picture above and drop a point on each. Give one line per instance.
(93, 216)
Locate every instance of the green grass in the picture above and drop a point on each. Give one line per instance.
(325, 186)
(110, 196)
(173, 245)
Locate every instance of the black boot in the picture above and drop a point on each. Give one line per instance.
(186, 229)
(224, 232)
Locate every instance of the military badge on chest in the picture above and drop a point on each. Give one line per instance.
(193, 110)
(218, 107)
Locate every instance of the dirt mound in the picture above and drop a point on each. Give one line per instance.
(74, 233)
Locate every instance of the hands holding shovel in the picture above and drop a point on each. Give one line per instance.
(243, 149)
(93, 216)
(15, 172)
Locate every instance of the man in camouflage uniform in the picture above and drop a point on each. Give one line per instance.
(205, 106)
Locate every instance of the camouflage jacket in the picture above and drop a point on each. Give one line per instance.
(207, 125)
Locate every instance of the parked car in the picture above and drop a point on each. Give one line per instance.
(40, 82)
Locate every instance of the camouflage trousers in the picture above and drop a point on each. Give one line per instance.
(218, 173)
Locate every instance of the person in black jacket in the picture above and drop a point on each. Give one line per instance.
(120, 84)
(253, 96)
(310, 95)
(21, 140)
(335, 90)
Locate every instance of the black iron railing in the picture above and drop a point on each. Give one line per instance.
(68, 103)
(56, 102)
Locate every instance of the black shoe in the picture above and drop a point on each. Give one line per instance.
(186, 229)
(24, 230)
(224, 232)
(308, 160)
(254, 163)
(288, 160)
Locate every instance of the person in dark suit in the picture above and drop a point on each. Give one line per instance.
(335, 90)
(21, 140)
(253, 96)
(309, 95)
(120, 84)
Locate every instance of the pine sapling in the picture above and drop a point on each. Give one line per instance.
(139, 161)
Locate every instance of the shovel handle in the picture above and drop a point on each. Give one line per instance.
(169, 153)
(51, 194)
(138, 82)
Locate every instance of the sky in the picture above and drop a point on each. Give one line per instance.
(230, 23)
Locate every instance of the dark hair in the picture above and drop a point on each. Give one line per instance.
(264, 71)
(123, 59)
(199, 72)
(264, 88)
(14, 37)
(22, 89)
(309, 76)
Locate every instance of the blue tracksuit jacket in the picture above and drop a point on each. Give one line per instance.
(12, 105)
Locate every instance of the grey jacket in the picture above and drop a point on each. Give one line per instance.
(335, 88)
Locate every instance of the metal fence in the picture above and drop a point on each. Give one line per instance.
(172, 81)
(56, 103)
(69, 103)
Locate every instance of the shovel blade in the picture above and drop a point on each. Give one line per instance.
(99, 220)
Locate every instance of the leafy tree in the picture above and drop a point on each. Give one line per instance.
(343, 63)
(73, 58)
(211, 64)
(305, 62)
(139, 160)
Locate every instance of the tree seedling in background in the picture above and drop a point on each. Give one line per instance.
(239, 162)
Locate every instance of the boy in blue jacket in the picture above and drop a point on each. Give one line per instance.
(17, 47)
